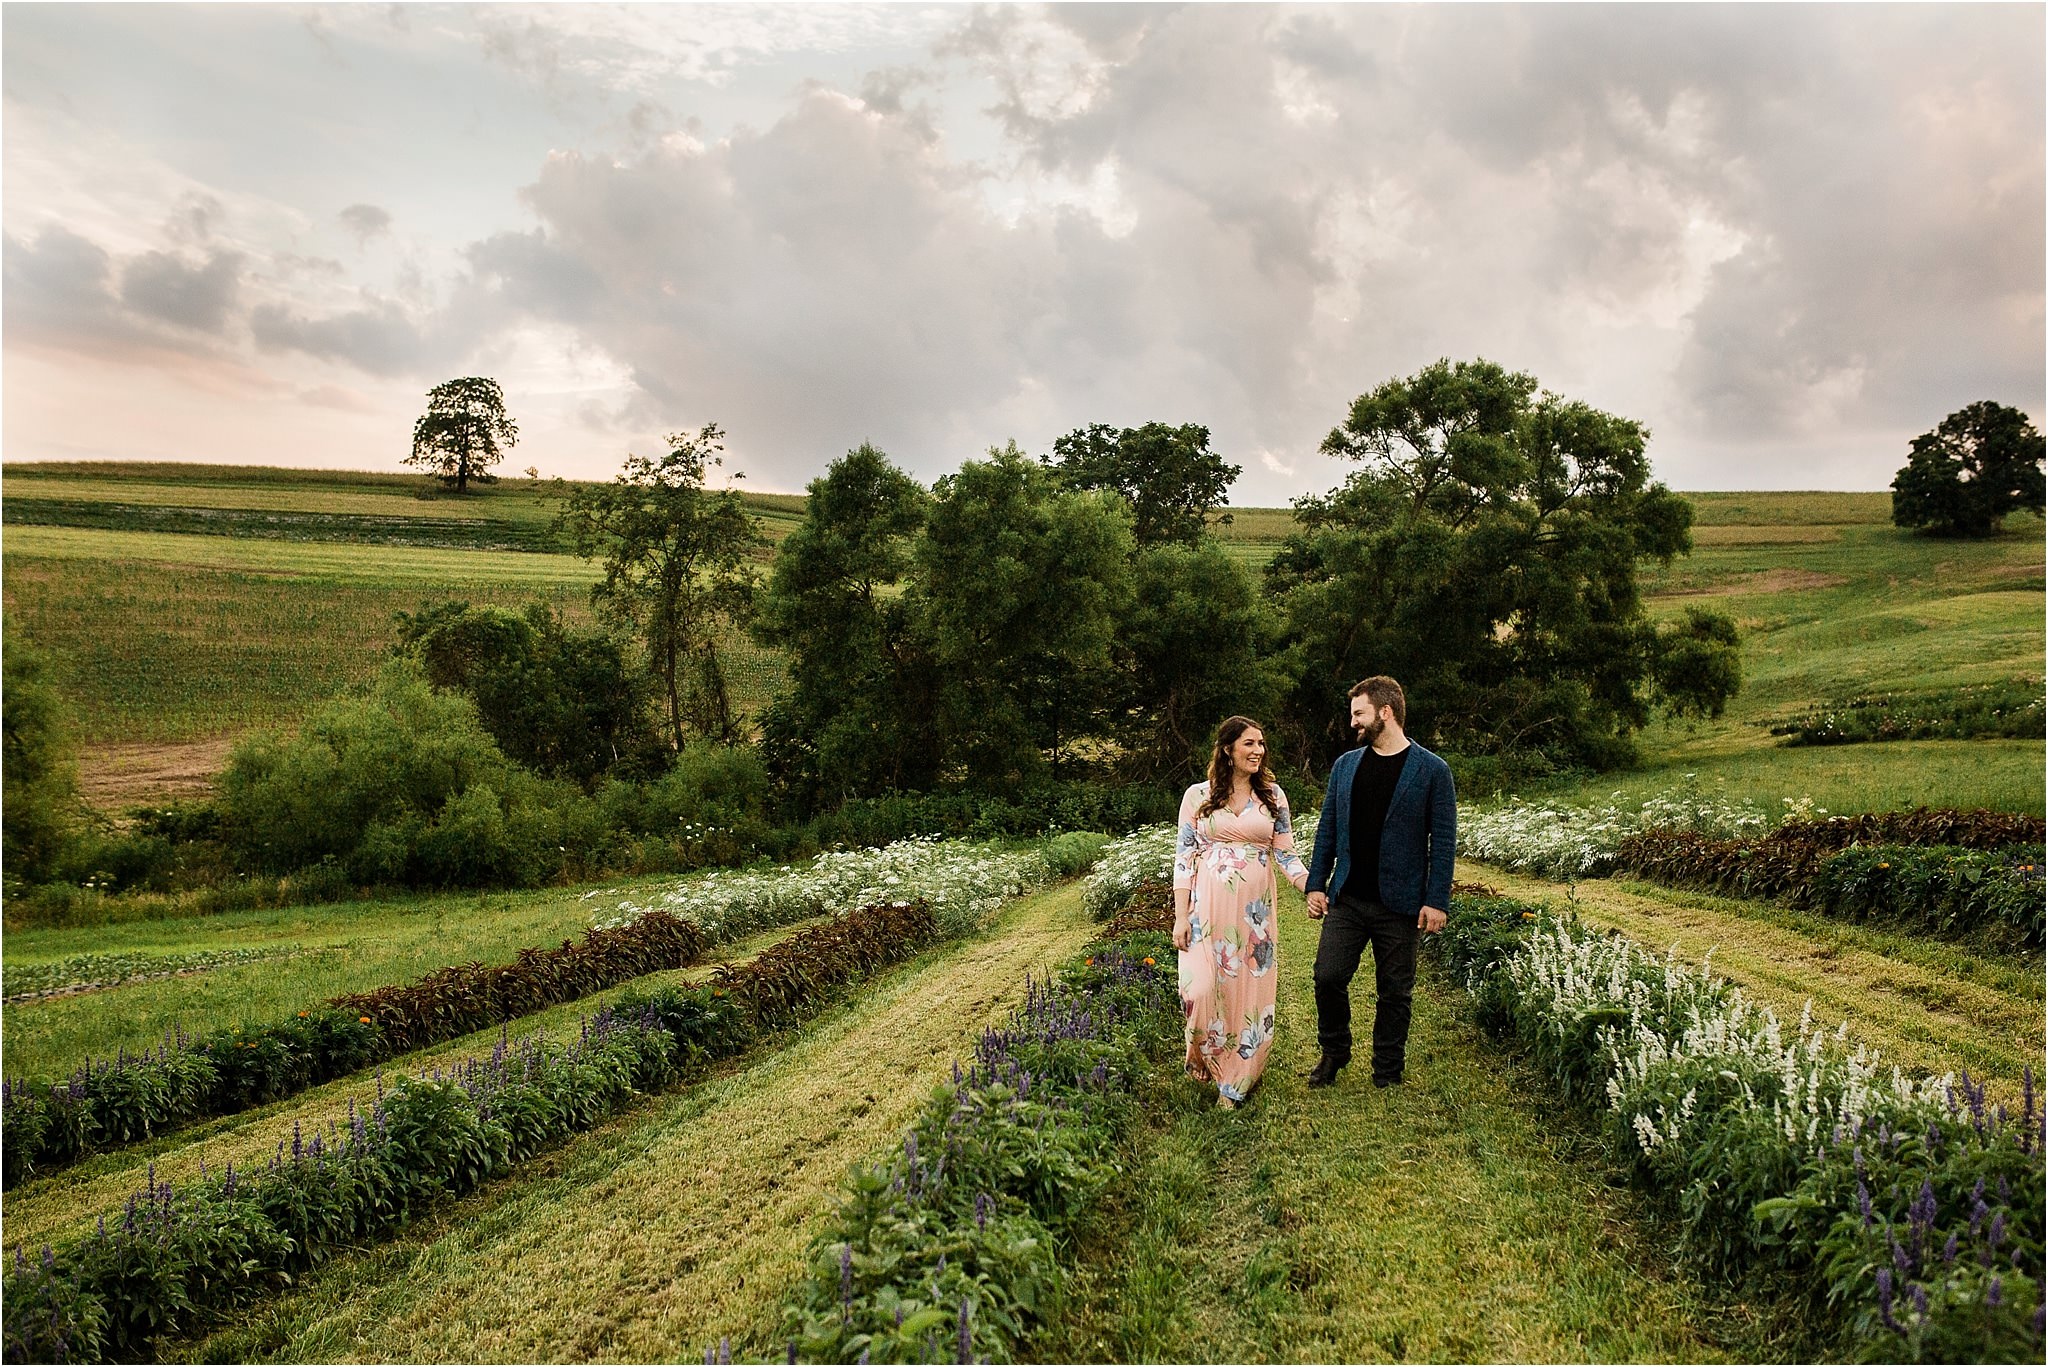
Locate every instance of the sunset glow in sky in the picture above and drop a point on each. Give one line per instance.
(1787, 238)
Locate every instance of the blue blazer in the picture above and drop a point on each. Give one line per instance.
(1418, 845)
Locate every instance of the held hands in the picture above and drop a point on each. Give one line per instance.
(1431, 920)
(1318, 905)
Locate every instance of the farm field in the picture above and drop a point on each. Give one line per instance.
(1461, 1217)
(172, 645)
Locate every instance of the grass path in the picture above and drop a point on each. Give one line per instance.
(684, 1221)
(1924, 1007)
(67, 1203)
(1457, 1217)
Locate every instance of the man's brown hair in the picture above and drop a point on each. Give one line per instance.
(1384, 692)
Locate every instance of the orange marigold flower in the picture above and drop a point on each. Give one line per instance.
(1884, 866)
(364, 1019)
(1091, 963)
(304, 1014)
(1150, 962)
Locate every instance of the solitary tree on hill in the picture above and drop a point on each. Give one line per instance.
(1962, 478)
(463, 432)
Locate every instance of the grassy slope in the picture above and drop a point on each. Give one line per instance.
(67, 1202)
(1455, 1218)
(685, 1220)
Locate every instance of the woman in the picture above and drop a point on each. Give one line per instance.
(1233, 829)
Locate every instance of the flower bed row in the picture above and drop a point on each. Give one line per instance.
(2012, 708)
(1958, 876)
(109, 1102)
(90, 972)
(177, 1257)
(949, 1250)
(1913, 1210)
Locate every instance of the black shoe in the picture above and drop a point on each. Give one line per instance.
(1325, 1071)
(1379, 1081)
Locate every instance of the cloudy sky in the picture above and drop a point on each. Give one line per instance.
(1787, 238)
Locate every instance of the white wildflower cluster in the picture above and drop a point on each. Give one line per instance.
(1145, 854)
(1564, 842)
(963, 880)
(1681, 1047)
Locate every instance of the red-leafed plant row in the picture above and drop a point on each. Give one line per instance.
(1948, 871)
(109, 1102)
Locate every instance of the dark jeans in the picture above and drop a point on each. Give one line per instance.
(1348, 927)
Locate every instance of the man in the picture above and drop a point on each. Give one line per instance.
(1381, 875)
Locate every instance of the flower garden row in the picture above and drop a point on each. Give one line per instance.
(950, 1249)
(175, 1258)
(1913, 1210)
(1941, 870)
(109, 1102)
(87, 972)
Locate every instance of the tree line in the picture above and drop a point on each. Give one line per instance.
(1029, 640)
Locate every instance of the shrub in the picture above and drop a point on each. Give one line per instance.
(40, 803)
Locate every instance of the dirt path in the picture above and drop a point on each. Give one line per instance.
(115, 777)
(652, 1238)
(1919, 1016)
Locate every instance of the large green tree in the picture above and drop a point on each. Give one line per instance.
(1193, 647)
(561, 701)
(1486, 555)
(677, 569)
(1962, 478)
(1021, 585)
(857, 719)
(1168, 475)
(464, 432)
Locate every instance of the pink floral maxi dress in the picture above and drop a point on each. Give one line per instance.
(1227, 980)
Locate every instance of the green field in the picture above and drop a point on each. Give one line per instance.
(172, 638)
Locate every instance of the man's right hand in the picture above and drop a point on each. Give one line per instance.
(1318, 905)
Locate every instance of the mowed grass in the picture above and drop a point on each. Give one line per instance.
(346, 947)
(68, 1202)
(685, 1220)
(1463, 1216)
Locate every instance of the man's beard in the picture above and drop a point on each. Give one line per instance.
(1368, 734)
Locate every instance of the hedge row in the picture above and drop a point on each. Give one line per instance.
(949, 1249)
(1945, 871)
(179, 1256)
(1913, 1213)
(110, 1102)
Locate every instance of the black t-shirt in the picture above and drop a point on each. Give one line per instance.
(1372, 792)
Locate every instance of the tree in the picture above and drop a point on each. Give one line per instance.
(1021, 585)
(676, 569)
(1193, 646)
(856, 719)
(562, 702)
(1169, 476)
(460, 435)
(1962, 478)
(1486, 556)
(42, 813)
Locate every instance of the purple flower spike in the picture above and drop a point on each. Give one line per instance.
(1995, 1293)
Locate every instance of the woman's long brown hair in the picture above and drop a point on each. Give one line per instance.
(1221, 771)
